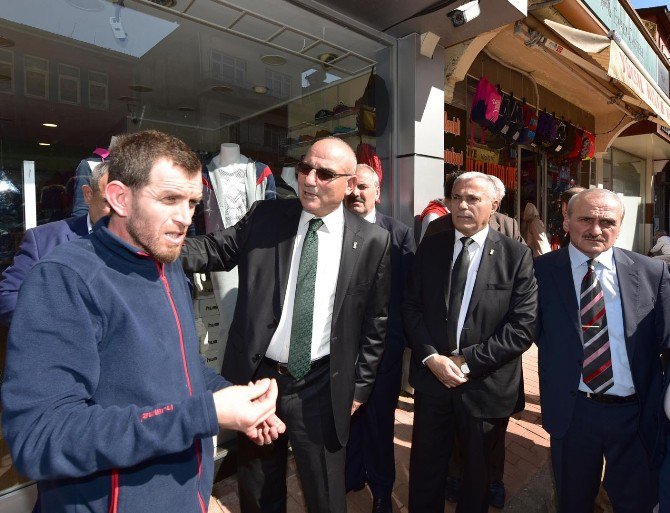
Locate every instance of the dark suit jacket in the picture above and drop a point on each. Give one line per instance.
(499, 324)
(498, 222)
(260, 245)
(402, 253)
(37, 243)
(645, 301)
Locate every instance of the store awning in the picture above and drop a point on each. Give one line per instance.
(612, 57)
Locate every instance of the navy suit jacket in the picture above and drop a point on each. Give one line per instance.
(645, 302)
(37, 243)
(403, 248)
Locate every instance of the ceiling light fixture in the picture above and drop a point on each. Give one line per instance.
(221, 89)
(260, 89)
(327, 57)
(50, 125)
(5, 42)
(273, 60)
(164, 3)
(44, 144)
(140, 88)
(185, 108)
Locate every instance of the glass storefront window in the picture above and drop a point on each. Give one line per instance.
(623, 174)
(269, 76)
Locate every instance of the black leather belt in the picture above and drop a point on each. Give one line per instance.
(282, 368)
(608, 398)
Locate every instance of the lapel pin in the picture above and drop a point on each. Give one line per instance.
(355, 245)
(492, 251)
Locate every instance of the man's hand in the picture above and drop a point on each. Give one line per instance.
(447, 370)
(355, 405)
(267, 431)
(246, 407)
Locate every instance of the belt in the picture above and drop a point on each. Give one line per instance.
(608, 398)
(282, 368)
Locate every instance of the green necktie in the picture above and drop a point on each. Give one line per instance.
(300, 350)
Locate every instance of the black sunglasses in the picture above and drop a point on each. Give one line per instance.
(323, 175)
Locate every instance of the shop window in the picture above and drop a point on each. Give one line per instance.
(69, 84)
(278, 84)
(226, 68)
(35, 77)
(273, 135)
(98, 90)
(6, 71)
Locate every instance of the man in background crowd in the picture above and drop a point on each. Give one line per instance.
(38, 242)
(565, 199)
(370, 451)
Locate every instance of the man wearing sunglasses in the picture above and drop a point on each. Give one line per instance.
(311, 312)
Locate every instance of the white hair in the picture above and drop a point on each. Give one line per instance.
(492, 190)
(500, 186)
(596, 192)
(375, 177)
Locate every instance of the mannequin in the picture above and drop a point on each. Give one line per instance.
(289, 176)
(229, 153)
(232, 183)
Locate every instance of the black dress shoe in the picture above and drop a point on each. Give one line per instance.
(497, 494)
(381, 505)
(452, 490)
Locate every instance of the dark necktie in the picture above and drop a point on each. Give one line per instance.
(459, 275)
(597, 366)
(300, 350)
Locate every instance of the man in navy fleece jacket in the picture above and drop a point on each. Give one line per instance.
(106, 401)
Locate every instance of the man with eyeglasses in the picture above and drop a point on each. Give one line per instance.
(311, 313)
(469, 311)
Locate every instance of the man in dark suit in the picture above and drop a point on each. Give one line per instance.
(507, 226)
(370, 454)
(38, 242)
(311, 312)
(467, 327)
(603, 322)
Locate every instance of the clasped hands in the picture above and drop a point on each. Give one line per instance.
(447, 369)
(251, 410)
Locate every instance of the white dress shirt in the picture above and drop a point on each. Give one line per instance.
(88, 223)
(475, 249)
(371, 217)
(606, 274)
(330, 251)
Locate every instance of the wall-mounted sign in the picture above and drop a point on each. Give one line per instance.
(454, 138)
(506, 173)
(483, 154)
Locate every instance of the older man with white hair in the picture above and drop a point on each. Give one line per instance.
(469, 381)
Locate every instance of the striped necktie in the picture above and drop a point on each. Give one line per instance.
(597, 366)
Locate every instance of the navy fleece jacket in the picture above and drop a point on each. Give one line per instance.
(106, 401)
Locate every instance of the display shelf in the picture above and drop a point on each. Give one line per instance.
(312, 141)
(323, 121)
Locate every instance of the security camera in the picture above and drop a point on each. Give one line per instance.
(466, 12)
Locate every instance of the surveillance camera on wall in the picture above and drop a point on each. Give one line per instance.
(466, 12)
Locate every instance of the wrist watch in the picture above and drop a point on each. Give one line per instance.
(464, 368)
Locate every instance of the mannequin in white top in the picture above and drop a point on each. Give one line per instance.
(229, 153)
(289, 176)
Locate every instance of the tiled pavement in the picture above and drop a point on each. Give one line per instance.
(527, 454)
